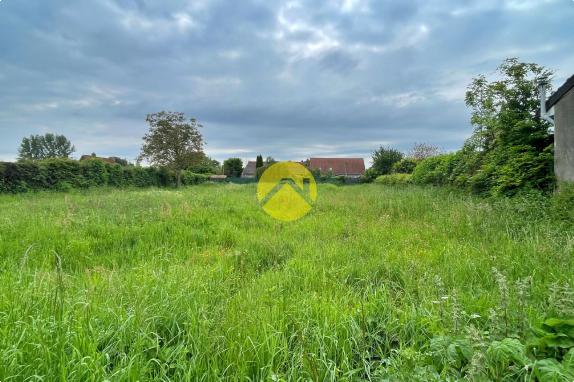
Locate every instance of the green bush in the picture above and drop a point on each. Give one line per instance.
(32, 174)
(12, 179)
(233, 167)
(115, 175)
(62, 170)
(64, 186)
(436, 170)
(369, 176)
(339, 179)
(93, 173)
(563, 202)
(524, 168)
(510, 149)
(143, 176)
(394, 179)
(404, 166)
(21, 177)
(190, 178)
(166, 177)
(384, 158)
(332, 179)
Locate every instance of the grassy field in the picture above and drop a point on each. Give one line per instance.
(200, 284)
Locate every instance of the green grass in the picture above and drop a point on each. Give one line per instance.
(200, 284)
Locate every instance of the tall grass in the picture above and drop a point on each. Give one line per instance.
(199, 284)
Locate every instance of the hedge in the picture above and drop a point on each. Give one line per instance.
(502, 172)
(436, 170)
(404, 166)
(64, 174)
(394, 179)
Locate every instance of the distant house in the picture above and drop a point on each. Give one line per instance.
(250, 170)
(349, 167)
(563, 103)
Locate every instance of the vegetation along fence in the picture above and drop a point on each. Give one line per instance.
(64, 174)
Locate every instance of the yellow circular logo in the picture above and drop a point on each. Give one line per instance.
(287, 191)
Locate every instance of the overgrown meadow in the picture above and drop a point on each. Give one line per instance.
(376, 283)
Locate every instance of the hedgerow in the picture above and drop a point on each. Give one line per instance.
(438, 170)
(64, 174)
(404, 166)
(394, 179)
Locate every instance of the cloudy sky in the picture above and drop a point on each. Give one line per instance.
(291, 79)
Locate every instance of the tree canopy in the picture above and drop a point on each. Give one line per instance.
(206, 165)
(259, 161)
(504, 111)
(38, 147)
(172, 141)
(233, 167)
(511, 147)
(384, 158)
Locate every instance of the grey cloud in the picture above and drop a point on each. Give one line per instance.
(282, 78)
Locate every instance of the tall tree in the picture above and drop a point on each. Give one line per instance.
(511, 147)
(384, 158)
(233, 167)
(504, 112)
(207, 165)
(38, 147)
(172, 141)
(259, 161)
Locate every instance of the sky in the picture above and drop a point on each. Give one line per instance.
(289, 79)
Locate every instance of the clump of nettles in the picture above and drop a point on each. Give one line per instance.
(561, 299)
(457, 313)
(502, 309)
(478, 339)
(512, 307)
(441, 296)
(523, 289)
(504, 348)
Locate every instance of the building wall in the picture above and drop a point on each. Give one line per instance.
(564, 138)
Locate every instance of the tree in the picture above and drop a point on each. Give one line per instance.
(510, 147)
(504, 112)
(38, 147)
(384, 158)
(259, 161)
(422, 151)
(172, 141)
(207, 165)
(270, 161)
(233, 167)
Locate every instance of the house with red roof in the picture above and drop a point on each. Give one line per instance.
(349, 167)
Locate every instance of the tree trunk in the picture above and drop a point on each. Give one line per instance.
(178, 178)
